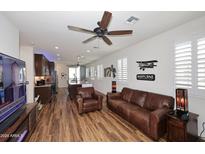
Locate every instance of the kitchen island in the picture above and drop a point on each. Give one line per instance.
(45, 93)
(72, 88)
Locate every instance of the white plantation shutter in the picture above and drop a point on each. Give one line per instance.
(122, 69)
(92, 73)
(183, 65)
(201, 63)
(87, 73)
(119, 69)
(100, 71)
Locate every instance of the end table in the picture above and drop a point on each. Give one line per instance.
(180, 130)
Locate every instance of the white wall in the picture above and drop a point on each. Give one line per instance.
(61, 69)
(27, 55)
(161, 48)
(9, 38)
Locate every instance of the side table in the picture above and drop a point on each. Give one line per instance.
(180, 130)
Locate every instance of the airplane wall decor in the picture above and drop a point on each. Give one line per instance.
(146, 64)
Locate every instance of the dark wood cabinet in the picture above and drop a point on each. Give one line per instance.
(51, 68)
(45, 93)
(41, 65)
(182, 130)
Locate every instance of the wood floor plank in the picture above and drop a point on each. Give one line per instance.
(60, 121)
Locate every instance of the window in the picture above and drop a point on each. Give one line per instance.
(92, 73)
(100, 71)
(87, 74)
(74, 74)
(190, 67)
(122, 69)
(183, 65)
(201, 64)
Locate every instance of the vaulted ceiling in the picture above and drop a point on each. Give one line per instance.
(46, 30)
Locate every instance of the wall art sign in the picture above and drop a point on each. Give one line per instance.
(146, 64)
(147, 77)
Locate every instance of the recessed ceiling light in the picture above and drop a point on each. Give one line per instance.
(132, 20)
(32, 43)
(58, 54)
(56, 47)
(88, 51)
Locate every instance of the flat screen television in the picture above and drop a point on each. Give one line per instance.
(12, 85)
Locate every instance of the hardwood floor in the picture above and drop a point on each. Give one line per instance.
(60, 121)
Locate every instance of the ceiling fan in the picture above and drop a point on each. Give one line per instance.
(101, 31)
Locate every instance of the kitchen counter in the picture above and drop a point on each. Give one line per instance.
(46, 85)
(72, 88)
(81, 83)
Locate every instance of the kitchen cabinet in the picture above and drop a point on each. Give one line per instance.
(51, 68)
(41, 65)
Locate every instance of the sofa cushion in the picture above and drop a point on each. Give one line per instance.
(157, 101)
(86, 93)
(140, 118)
(127, 94)
(90, 102)
(115, 103)
(138, 97)
(126, 108)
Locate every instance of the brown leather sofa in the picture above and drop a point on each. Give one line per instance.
(87, 100)
(143, 109)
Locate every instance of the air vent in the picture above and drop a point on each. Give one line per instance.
(132, 20)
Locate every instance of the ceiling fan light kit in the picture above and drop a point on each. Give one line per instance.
(101, 31)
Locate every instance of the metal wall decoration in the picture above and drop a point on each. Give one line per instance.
(113, 70)
(110, 71)
(63, 75)
(107, 72)
(147, 77)
(146, 64)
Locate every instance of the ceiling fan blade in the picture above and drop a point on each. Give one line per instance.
(90, 39)
(105, 19)
(78, 29)
(120, 32)
(107, 40)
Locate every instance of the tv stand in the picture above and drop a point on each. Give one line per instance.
(22, 127)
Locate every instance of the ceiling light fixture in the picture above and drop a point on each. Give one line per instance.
(58, 54)
(88, 51)
(56, 47)
(132, 20)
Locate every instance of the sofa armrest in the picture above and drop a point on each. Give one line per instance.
(79, 101)
(113, 95)
(99, 98)
(158, 122)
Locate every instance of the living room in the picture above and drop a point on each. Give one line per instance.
(102, 76)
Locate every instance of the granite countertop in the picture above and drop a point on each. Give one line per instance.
(46, 85)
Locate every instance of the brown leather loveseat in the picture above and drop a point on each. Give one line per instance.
(87, 100)
(143, 109)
